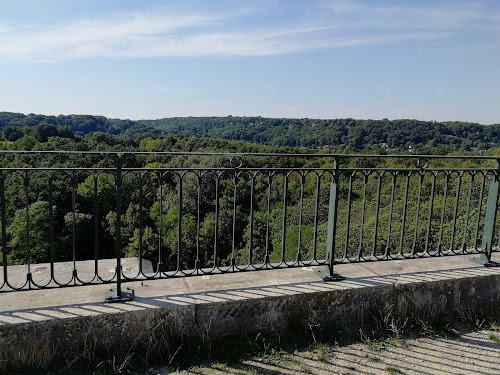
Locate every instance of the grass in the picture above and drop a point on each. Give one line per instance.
(373, 358)
(378, 345)
(393, 370)
(324, 352)
(276, 357)
(304, 368)
(494, 338)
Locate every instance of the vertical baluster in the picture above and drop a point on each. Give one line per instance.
(141, 229)
(73, 225)
(348, 217)
(216, 228)
(417, 213)
(429, 218)
(298, 258)
(363, 214)
(316, 206)
(179, 226)
(377, 210)
(250, 240)
(467, 215)
(403, 214)
(51, 229)
(4, 227)
(443, 211)
(160, 224)
(28, 223)
(268, 217)
(96, 226)
(479, 209)
(391, 208)
(233, 242)
(283, 227)
(198, 223)
(455, 211)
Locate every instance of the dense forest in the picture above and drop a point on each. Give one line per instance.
(268, 215)
(339, 135)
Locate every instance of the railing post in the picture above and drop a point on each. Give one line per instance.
(4, 227)
(327, 273)
(490, 220)
(116, 294)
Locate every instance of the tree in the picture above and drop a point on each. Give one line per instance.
(34, 242)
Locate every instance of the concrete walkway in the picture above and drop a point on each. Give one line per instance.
(71, 302)
(471, 353)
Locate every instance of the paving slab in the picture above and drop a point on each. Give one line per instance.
(470, 353)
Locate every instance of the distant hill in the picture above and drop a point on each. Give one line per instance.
(335, 134)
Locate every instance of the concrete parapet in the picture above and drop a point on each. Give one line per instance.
(59, 321)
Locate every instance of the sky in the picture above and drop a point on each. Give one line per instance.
(363, 59)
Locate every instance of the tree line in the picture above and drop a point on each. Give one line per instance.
(341, 135)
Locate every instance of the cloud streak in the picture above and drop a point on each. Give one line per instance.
(162, 34)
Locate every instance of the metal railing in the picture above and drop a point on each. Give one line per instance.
(77, 218)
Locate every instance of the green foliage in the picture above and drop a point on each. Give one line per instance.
(30, 237)
(374, 136)
(233, 216)
(338, 134)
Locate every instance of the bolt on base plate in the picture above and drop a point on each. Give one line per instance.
(111, 295)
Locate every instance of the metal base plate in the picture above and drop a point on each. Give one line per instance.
(111, 295)
(492, 264)
(334, 277)
(483, 260)
(324, 273)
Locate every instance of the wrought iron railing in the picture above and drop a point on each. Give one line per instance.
(77, 218)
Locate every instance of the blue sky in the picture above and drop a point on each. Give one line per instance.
(428, 60)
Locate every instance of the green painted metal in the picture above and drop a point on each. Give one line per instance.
(285, 210)
(466, 221)
(377, 205)
(479, 210)
(455, 211)
(391, 209)
(443, 210)
(417, 213)
(4, 227)
(490, 220)
(348, 216)
(356, 210)
(431, 209)
(403, 216)
(332, 228)
(118, 294)
(298, 258)
(362, 220)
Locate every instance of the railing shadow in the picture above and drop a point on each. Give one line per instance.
(74, 310)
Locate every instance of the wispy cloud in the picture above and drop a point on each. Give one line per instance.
(440, 16)
(162, 34)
